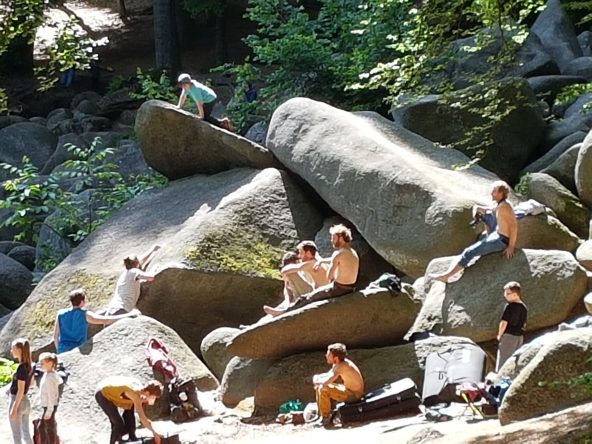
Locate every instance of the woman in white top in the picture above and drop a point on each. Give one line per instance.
(127, 290)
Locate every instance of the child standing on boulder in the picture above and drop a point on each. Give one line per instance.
(511, 328)
(49, 395)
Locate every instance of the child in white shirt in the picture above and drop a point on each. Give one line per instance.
(49, 395)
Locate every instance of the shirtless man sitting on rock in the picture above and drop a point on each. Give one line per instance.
(327, 388)
(501, 238)
(300, 276)
(342, 273)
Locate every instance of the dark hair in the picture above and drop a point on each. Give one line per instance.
(338, 350)
(341, 230)
(154, 388)
(289, 258)
(308, 246)
(131, 262)
(77, 296)
(514, 287)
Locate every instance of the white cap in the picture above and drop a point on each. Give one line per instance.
(184, 78)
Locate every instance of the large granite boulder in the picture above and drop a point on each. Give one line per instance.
(584, 255)
(313, 326)
(16, 282)
(557, 34)
(371, 264)
(291, 377)
(552, 285)
(554, 153)
(117, 350)
(567, 207)
(546, 385)
(564, 168)
(513, 138)
(177, 144)
(402, 193)
(214, 349)
(558, 130)
(222, 236)
(583, 176)
(241, 378)
(25, 139)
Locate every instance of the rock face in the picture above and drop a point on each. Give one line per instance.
(584, 255)
(557, 34)
(241, 378)
(291, 378)
(15, 282)
(192, 146)
(118, 350)
(316, 325)
(568, 207)
(214, 349)
(514, 137)
(401, 192)
(583, 177)
(563, 168)
(222, 237)
(30, 139)
(552, 284)
(543, 386)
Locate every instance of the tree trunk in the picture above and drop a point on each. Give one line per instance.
(166, 48)
(221, 47)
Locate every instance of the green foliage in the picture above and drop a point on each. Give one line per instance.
(522, 186)
(247, 253)
(72, 49)
(580, 6)
(7, 369)
(572, 92)
(154, 86)
(80, 196)
(116, 83)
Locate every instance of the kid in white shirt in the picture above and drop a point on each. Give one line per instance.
(49, 395)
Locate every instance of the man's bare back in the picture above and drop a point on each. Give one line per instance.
(350, 375)
(319, 275)
(344, 266)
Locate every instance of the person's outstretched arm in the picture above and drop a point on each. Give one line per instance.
(148, 256)
(94, 318)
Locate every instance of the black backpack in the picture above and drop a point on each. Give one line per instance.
(183, 400)
(390, 281)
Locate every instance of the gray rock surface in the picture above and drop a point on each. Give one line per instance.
(257, 133)
(291, 377)
(25, 139)
(584, 255)
(513, 138)
(564, 168)
(214, 349)
(399, 190)
(569, 209)
(241, 378)
(118, 350)
(547, 87)
(583, 176)
(552, 284)
(15, 282)
(314, 326)
(557, 34)
(543, 385)
(222, 237)
(553, 154)
(580, 67)
(192, 146)
(558, 130)
(23, 254)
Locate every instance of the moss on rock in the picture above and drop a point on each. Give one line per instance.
(247, 253)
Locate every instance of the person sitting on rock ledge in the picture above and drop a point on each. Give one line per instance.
(204, 99)
(502, 235)
(127, 291)
(71, 324)
(342, 273)
(350, 390)
(300, 275)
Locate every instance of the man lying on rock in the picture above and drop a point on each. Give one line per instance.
(204, 99)
(342, 273)
(300, 275)
(326, 387)
(501, 236)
